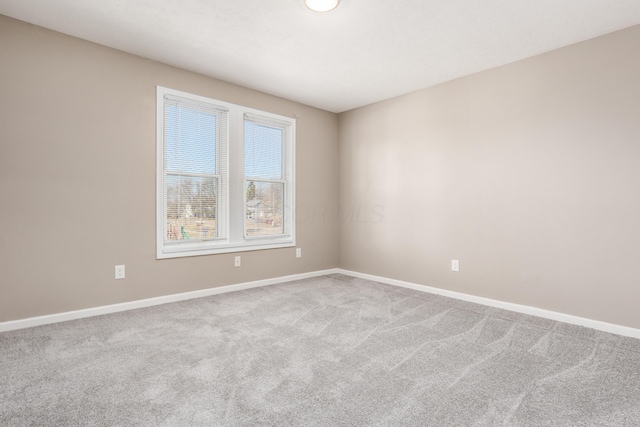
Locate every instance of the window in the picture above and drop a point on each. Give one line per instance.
(225, 179)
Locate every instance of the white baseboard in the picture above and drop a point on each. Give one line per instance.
(525, 309)
(132, 305)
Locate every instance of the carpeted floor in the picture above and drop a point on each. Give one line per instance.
(328, 351)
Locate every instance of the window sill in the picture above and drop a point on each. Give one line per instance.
(206, 248)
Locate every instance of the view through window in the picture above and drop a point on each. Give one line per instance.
(264, 178)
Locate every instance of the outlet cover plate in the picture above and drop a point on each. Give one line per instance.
(119, 272)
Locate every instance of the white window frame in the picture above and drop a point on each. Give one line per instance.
(286, 172)
(231, 214)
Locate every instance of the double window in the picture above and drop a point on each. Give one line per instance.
(225, 177)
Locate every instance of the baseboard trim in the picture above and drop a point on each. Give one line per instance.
(525, 309)
(166, 299)
(148, 302)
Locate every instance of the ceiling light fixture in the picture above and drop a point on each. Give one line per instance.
(322, 5)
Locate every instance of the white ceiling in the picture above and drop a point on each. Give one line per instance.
(362, 52)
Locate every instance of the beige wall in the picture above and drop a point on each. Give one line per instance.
(529, 174)
(77, 178)
(526, 173)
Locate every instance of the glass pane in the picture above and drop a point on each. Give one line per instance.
(264, 208)
(262, 150)
(191, 208)
(190, 137)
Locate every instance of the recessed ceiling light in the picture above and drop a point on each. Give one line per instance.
(322, 5)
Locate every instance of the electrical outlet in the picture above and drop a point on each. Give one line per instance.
(298, 252)
(236, 261)
(119, 272)
(455, 265)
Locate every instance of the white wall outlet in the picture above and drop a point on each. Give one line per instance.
(455, 265)
(298, 252)
(237, 261)
(119, 272)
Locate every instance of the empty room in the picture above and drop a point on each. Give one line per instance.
(320, 213)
